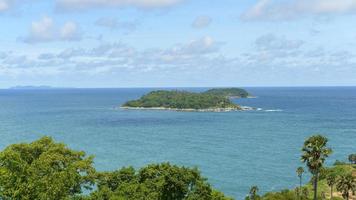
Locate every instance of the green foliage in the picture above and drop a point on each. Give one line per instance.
(253, 194)
(327, 177)
(181, 100)
(338, 162)
(283, 195)
(305, 193)
(338, 170)
(345, 184)
(43, 170)
(331, 179)
(300, 171)
(155, 182)
(314, 154)
(352, 158)
(217, 195)
(229, 92)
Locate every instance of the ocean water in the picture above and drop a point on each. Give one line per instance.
(233, 150)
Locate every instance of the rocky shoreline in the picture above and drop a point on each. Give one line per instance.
(241, 108)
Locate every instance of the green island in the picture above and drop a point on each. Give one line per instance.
(229, 92)
(212, 100)
(46, 170)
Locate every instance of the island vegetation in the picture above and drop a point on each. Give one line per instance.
(211, 100)
(229, 92)
(46, 170)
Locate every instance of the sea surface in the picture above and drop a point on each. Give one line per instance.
(234, 150)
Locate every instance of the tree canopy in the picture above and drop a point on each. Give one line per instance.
(346, 184)
(314, 154)
(46, 170)
(43, 170)
(155, 182)
(229, 92)
(181, 100)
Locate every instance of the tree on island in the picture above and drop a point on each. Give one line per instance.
(352, 158)
(314, 154)
(300, 171)
(345, 184)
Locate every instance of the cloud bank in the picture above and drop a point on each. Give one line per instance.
(88, 4)
(115, 24)
(202, 22)
(291, 9)
(45, 30)
(6, 5)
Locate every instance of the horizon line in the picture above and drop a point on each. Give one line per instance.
(45, 87)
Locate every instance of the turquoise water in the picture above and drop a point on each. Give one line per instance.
(234, 150)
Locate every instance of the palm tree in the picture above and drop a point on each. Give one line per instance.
(331, 180)
(253, 193)
(345, 184)
(352, 158)
(300, 171)
(314, 154)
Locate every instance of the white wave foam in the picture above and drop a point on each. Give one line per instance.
(273, 110)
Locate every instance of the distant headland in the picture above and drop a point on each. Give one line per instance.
(31, 87)
(213, 100)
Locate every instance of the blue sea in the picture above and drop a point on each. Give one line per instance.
(234, 150)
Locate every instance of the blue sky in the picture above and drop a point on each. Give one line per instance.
(177, 43)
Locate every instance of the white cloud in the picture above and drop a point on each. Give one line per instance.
(257, 10)
(114, 24)
(204, 45)
(200, 59)
(270, 48)
(4, 5)
(86, 4)
(110, 23)
(45, 30)
(272, 42)
(199, 53)
(202, 22)
(3, 54)
(69, 31)
(290, 9)
(42, 30)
